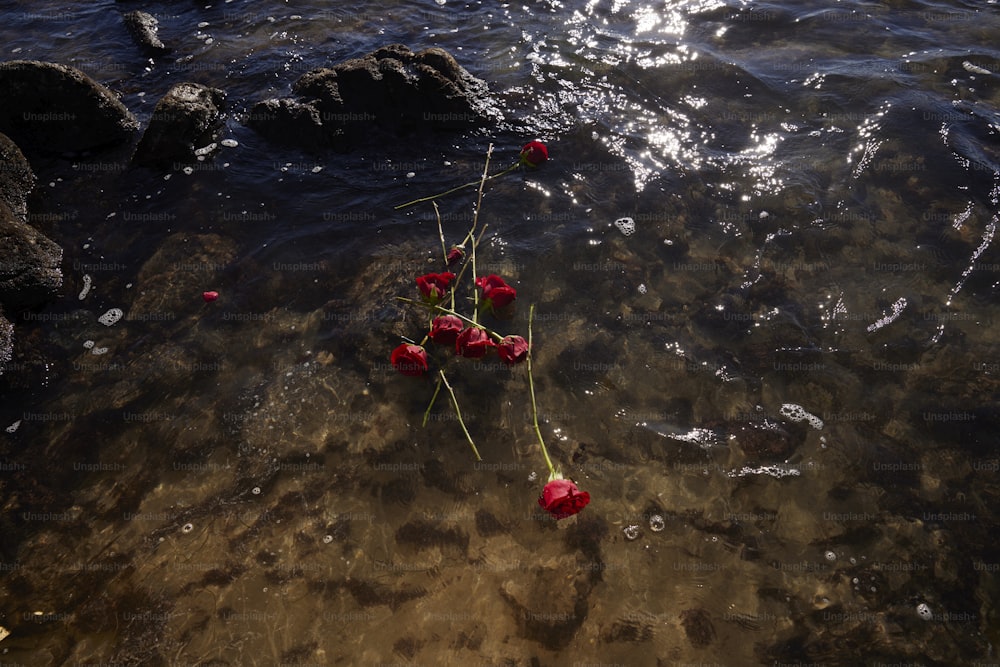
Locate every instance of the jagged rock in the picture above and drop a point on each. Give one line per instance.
(391, 88)
(16, 177)
(55, 108)
(291, 121)
(29, 262)
(186, 119)
(143, 28)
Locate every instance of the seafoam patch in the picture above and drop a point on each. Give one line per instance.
(777, 471)
(87, 282)
(797, 414)
(626, 226)
(111, 317)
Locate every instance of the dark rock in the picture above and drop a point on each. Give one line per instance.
(29, 263)
(56, 108)
(16, 177)
(143, 28)
(291, 122)
(185, 119)
(6, 341)
(392, 89)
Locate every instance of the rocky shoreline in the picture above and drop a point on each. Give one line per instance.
(53, 109)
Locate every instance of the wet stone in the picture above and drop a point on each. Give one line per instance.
(56, 108)
(185, 120)
(143, 28)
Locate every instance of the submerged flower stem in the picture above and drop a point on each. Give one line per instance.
(444, 250)
(475, 222)
(458, 413)
(478, 182)
(534, 405)
(427, 412)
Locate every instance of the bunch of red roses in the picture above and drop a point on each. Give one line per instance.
(471, 339)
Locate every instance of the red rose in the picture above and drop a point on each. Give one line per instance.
(512, 350)
(455, 255)
(534, 153)
(409, 359)
(496, 293)
(434, 285)
(561, 498)
(445, 329)
(473, 343)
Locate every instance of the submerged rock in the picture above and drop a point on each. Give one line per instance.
(55, 108)
(185, 120)
(391, 88)
(30, 270)
(143, 28)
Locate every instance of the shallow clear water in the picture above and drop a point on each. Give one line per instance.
(780, 390)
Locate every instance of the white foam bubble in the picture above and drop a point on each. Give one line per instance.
(111, 317)
(13, 427)
(87, 281)
(797, 414)
(626, 226)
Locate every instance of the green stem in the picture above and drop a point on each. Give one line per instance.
(427, 412)
(444, 249)
(475, 222)
(460, 187)
(534, 405)
(458, 413)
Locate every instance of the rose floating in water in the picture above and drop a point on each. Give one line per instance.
(473, 340)
(561, 498)
(409, 359)
(445, 329)
(434, 285)
(532, 155)
(497, 294)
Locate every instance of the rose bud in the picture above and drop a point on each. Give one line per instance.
(409, 359)
(455, 255)
(496, 293)
(434, 285)
(561, 498)
(473, 343)
(445, 329)
(209, 296)
(534, 153)
(512, 350)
